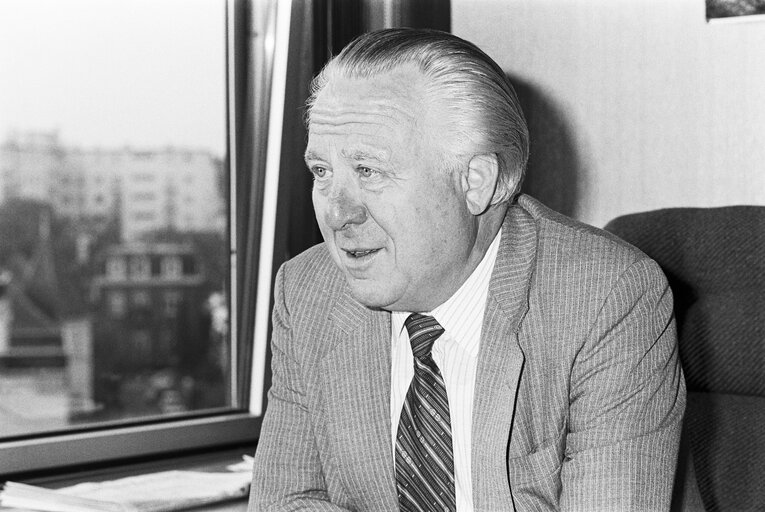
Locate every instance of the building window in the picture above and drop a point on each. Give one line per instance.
(140, 267)
(171, 305)
(117, 304)
(144, 216)
(144, 196)
(116, 268)
(140, 349)
(143, 177)
(172, 267)
(141, 299)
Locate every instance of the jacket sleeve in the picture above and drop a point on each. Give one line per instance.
(287, 471)
(627, 399)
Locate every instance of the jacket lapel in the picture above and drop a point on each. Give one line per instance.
(356, 380)
(500, 361)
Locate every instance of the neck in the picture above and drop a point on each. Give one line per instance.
(489, 224)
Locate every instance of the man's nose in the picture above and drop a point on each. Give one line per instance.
(344, 210)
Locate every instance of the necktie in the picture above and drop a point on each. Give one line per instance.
(424, 455)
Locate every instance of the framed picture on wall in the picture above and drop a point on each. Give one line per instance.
(734, 8)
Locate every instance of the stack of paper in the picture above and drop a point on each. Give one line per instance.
(29, 497)
(165, 491)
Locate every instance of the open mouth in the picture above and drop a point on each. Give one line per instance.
(361, 253)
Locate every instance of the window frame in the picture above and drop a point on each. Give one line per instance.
(236, 426)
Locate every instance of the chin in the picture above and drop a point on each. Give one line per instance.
(372, 295)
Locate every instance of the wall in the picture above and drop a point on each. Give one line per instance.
(632, 104)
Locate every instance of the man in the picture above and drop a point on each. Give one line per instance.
(454, 344)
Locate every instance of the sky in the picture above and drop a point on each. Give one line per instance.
(111, 73)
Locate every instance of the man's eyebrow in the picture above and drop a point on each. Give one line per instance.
(311, 155)
(358, 154)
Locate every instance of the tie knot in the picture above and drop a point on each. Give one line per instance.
(423, 331)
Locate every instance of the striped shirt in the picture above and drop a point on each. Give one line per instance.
(456, 354)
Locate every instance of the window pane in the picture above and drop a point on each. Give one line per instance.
(114, 266)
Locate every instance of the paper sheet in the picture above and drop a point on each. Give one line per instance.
(164, 491)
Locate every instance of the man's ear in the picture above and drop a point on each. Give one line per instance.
(480, 182)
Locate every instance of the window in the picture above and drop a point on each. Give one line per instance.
(171, 304)
(165, 89)
(145, 216)
(140, 266)
(172, 267)
(139, 354)
(144, 196)
(141, 299)
(143, 177)
(117, 306)
(115, 266)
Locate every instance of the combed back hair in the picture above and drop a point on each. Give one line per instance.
(484, 115)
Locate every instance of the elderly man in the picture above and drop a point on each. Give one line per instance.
(454, 344)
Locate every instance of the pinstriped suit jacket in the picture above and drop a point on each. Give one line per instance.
(579, 394)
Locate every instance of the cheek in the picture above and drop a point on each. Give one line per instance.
(441, 226)
(320, 210)
(319, 205)
(419, 234)
(419, 222)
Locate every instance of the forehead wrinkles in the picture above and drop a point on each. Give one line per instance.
(381, 112)
(389, 112)
(397, 96)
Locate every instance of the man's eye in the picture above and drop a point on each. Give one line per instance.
(319, 172)
(366, 172)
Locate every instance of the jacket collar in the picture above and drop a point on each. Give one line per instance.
(511, 278)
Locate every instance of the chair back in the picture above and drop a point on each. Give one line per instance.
(714, 259)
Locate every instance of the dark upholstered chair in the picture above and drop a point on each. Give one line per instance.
(714, 259)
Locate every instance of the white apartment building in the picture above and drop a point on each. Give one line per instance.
(29, 163)
(171, 189)
(87, 186)
(148, 190)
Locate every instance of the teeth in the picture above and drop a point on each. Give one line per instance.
(357, 254)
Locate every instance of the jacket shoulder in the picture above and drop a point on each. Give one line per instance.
(578, 268)
(561, 237)
(312, 260)
(310, 279)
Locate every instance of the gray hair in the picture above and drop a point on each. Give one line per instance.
(485, 115)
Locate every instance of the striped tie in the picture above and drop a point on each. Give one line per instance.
(424, 456)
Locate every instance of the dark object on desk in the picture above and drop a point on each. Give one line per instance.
(714, 259)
